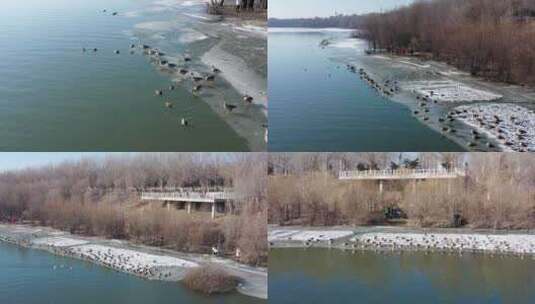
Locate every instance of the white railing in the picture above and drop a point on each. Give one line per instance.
(187, 196)
(402, 174)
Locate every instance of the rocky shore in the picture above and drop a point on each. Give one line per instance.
(387, 239)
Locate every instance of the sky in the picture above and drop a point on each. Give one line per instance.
(16, 160)
(325, 8)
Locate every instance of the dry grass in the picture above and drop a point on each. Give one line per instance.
(210, 279)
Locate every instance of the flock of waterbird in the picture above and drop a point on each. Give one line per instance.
(199, 80)
(119, 262)
(427, 243)
(391, 87)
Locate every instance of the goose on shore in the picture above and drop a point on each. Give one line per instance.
(209, 78)
(184, 122)
(158, 92)
(117, 52)
(114, 14)
(230, 107)
(216, 70)
(168, 105)
(248, 98)
(197, 88)
(183, 71)
(171, 87)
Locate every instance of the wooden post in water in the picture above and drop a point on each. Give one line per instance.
(189, 207)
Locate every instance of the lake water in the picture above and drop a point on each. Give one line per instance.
(28, 276)
(54, 97)
(336, 276)
(316, 104)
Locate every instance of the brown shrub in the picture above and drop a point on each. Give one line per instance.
(210, 279)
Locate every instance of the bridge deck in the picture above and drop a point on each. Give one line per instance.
(186, 196)
(402, 174)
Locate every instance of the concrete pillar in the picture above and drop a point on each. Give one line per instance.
(188, 206)
(168, 206)
(381, 186)
(213, 211)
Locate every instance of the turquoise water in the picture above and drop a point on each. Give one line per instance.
(336, 276)
(28, 276)
(316, 104)
(54, 97)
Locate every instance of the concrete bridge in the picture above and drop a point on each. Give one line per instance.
(215, 199)
(401, 174)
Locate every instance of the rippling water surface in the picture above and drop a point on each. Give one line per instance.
(335, 276)
(54, 97)
(30, 276)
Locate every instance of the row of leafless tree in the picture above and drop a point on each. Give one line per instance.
(101, 197)
(217, 6)
(494, 39)
(498, 191)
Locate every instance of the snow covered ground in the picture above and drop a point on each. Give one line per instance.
(508, 243)
(511, 125)
(128, 260)
(448, 91)
(59, 241)
(307, 235)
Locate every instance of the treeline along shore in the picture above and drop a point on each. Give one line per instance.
(487, 38)
(101, 197)
(474, 190)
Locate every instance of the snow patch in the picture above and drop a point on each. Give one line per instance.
(129, 260)
(449, 91)
(511, 125)
(306, 30)
(349, 43)
(312, 235)
(59, 242)
(507, 243)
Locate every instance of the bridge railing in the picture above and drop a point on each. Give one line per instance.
(402, 174)
(188, 189)
(187, 195)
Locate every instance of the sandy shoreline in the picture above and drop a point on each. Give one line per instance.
(388, 239)
(143, 261)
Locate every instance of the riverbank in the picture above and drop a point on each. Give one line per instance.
(398, 239)
(143, 261)
(434, 90)
(239, 53)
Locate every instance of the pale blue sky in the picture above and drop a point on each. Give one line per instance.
(325, 8)
(16, 160)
